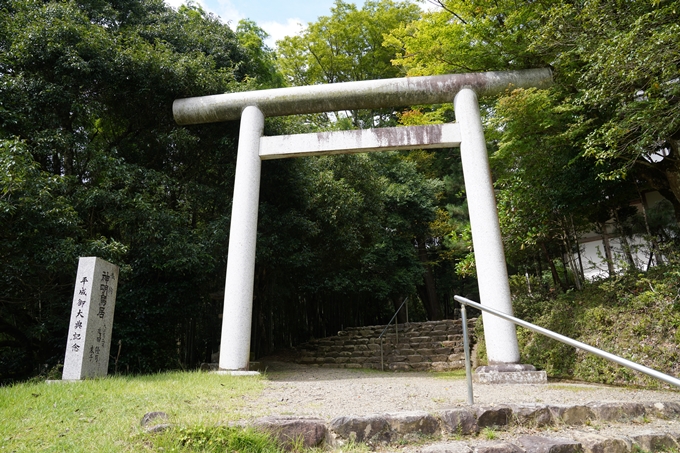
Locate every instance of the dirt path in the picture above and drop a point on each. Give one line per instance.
(330, 392)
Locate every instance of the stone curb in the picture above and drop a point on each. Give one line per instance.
(586, 443)
(468, 421)
(294, 432)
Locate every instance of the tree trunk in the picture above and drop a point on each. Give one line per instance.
(526, 276)
(68, 162)
(571, 261)
(655, 246)
(553, 270)
(428, 294)
(397, 300)
(607, 249)
(565, 266)
(578, 248)
(624, 241)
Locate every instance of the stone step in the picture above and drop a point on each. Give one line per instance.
(415, 337)
(436, 345)
(405, 329)
(403, 353)
(390, 339)
(426, 325)
(387, 351)
(531, 428)
(436, 348)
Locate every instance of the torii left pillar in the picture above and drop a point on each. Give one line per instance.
(238, 288)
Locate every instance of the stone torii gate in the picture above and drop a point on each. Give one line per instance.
(252, 107)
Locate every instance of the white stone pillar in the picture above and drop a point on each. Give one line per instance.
(492, 274)
(238, 289)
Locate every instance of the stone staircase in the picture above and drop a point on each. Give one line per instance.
(416, 346)
(635, 426)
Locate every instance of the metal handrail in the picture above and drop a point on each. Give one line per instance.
(555, 336)
(396, 330)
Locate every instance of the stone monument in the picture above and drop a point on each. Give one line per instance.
(89, 335)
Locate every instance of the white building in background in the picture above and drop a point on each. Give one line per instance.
(593, 253)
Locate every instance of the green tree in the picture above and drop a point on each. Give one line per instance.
(95, 165)
(347, 46)
(620, 61)
(469, 36)
(536, 163)
(567, 159)
(261, 57)
(347, 249)
(39, 227)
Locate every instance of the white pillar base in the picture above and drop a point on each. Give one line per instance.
(236, 373)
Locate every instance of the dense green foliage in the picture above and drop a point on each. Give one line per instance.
(92, 163)
(347, 45)
(426, 207)
(570, 159)
(635, 316)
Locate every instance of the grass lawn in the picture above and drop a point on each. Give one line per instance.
(103, 415)
(453, 375)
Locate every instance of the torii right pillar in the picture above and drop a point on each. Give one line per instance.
(492, 275)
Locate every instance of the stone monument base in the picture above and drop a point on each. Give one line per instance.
(509, 374)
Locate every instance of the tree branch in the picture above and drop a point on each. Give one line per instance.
(442, 6)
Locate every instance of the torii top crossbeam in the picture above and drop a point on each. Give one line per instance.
(252, 107)
(367, 94)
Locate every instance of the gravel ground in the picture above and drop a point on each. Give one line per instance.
(331, 392)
